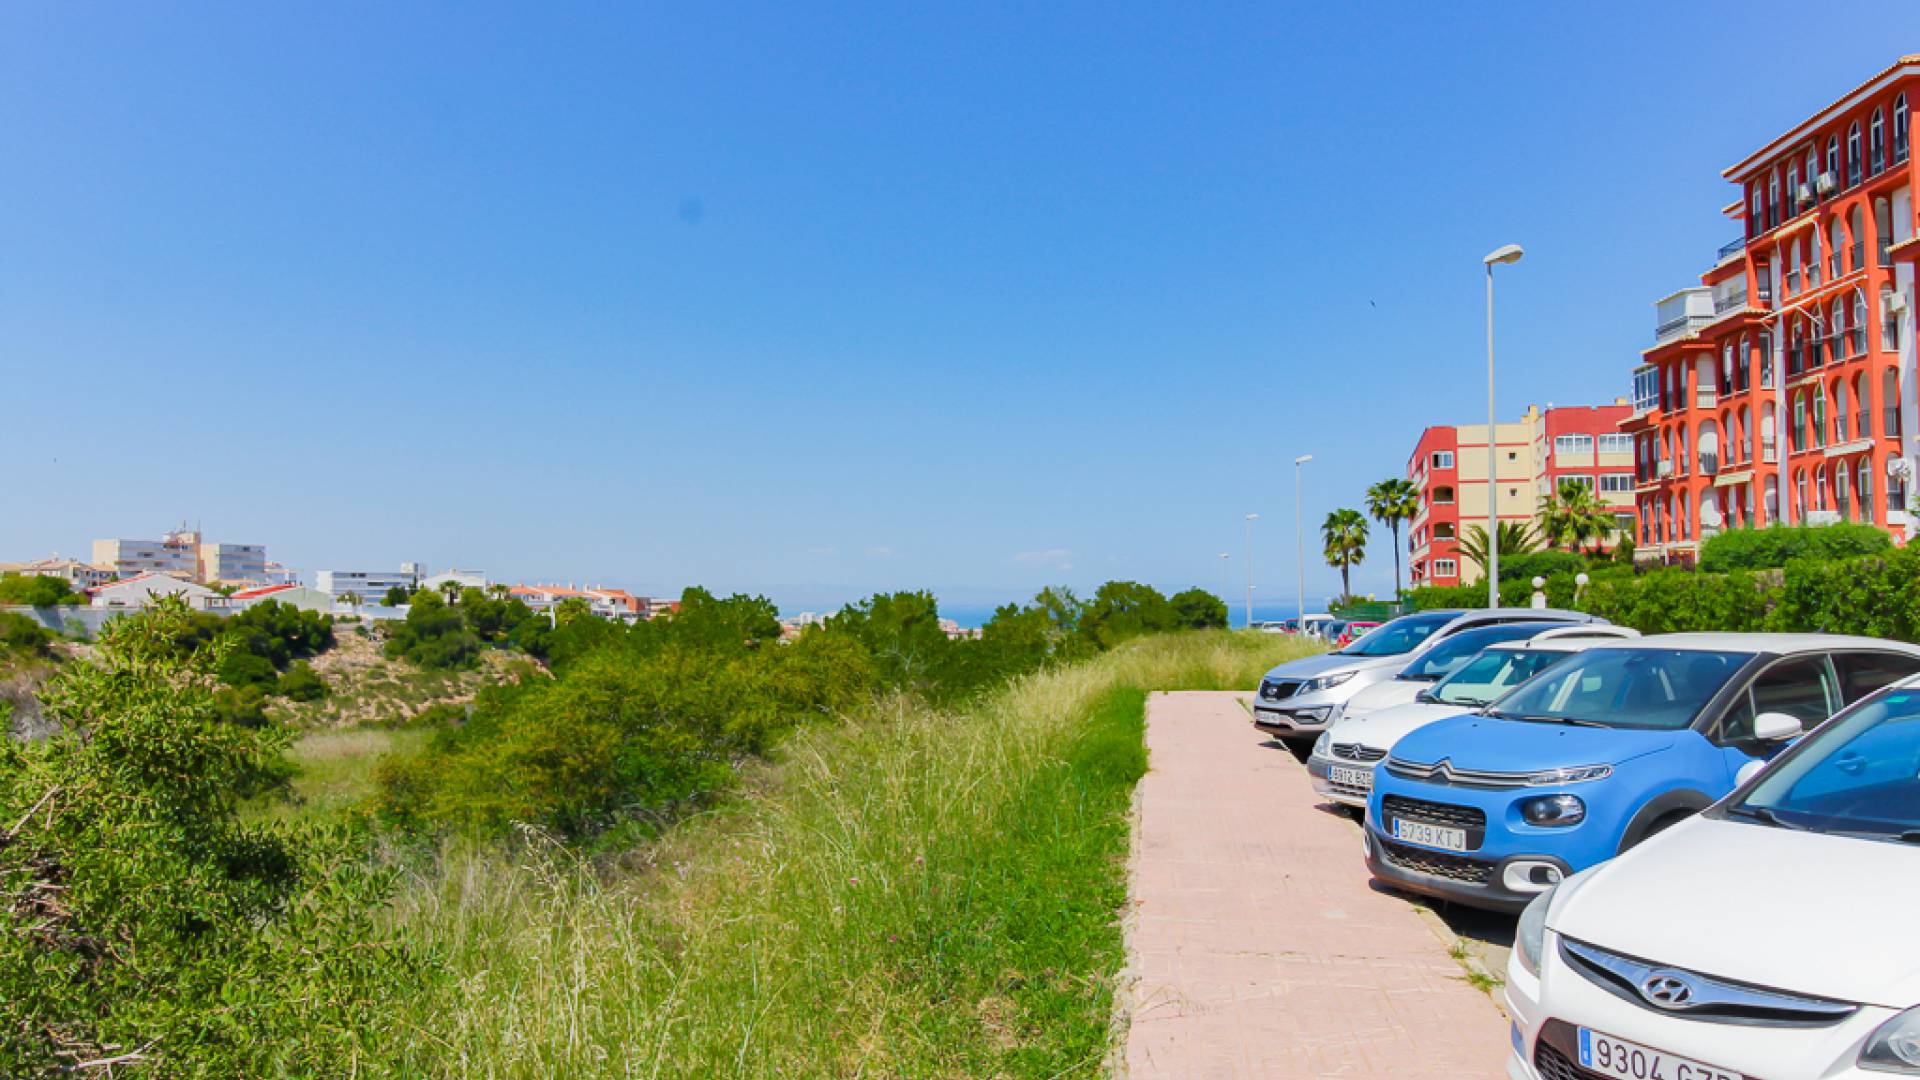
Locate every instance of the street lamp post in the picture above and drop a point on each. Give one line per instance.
(1299, 536)
(1251, 518)
(1226, 578)
(1508, 254)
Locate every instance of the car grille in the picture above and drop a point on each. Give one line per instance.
(1711, 999)
(1437, 863)
(1433, 813)
(1279, 689)
(1444, 772)
(1551, 1064)
(1347, 751)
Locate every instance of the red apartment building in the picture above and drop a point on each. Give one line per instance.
(1531, 457)
(1781, 389)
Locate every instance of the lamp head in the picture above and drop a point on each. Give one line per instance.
(1509, 254)
(1253, 517)
(1303, 459)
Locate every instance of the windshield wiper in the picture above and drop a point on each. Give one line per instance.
(1571, 721)
(1762, 815)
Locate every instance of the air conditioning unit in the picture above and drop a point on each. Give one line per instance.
(1826, 183)
(1806, 194)
(1897, 302)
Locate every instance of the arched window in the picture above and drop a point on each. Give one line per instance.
(1813, 257)
(1796, 195)
(1856, 227)
(1745, 422)
(1853, 154)
(1877, 143)
(1857, 336)
(1842, 491)
(1820, 488)
(1900, 129)
(1799, 429)
(1863, 408)
(1841, 418)
(1883, 231)
(1833, 158)
(1863, 489)
(1836, 332)
(1681, 522)
(1889, 321)
(1799, 494)
(1766, 359)
(1768, 431)
(1773, 198)
(1836, 243)
(1756, 224)
(1890, 402)
(1819, 414)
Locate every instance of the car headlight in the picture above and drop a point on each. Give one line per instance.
(1324, 744)
(1311, 716)
(1554, 810)
(1328, 682)
(1530, 936)
(1895, 1045)
(1578, 774)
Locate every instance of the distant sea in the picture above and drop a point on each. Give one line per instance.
(976, 615)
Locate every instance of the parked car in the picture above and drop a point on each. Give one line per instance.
(1599, 753)
(1354, 631)
(1432, 665)
(1346, 754)
(1298, 699)
(1313, 624)
(1769, 936)
(1279, 626)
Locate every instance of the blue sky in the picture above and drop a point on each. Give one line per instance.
(822, 299)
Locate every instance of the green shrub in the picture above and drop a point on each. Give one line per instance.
(1774, 547)
(302, 683)
(280, 632)
(1198, 609)
(140, 917)
(36, 590)
(19, 634)
(434, 635)
(1671, 600)
(1875, 595)
(240, 668)
(1524, 568)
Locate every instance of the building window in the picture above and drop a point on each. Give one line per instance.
(1616, 444)
(1833, 157)
(1443, 496)
(1623, 524)
(1573, 444)
(1889, 321)
(1900, 129)
(1853, 154)
(1582, 481)
(1445, 568)
(1773, 199)
(1646, 389)
(1877, 142)
(1442, 459)
(1616, 483)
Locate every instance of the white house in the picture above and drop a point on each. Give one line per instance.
(299, 596)
(141, 590)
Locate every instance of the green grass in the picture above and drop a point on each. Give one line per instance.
(334, 772)
(912, 893)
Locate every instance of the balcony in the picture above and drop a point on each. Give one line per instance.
(1886, 251)
(1730, 249)
(1709, 463)
(1765, 289)
(1769, 452)
(1857, 341)
(1663, 468)
(1730, 297)
(1860, 422)
(1859, 254)
(1892, 426)
(1793, 282)
(1673, 328)
(1681, 313)
(1705, 397)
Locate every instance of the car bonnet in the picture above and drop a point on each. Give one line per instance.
(1485, 744)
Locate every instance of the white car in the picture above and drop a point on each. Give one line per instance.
(1345, 756)
(1299, 699)
(1772, 935)
(1443, 659)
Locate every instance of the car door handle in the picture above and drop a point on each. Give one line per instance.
(1851, 764)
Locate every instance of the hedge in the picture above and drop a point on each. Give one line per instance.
(1776, 546)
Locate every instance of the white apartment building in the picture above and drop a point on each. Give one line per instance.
(233, 562)
(368, 585)
(79, 576)
(177, 555)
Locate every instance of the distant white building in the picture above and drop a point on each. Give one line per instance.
(459, 579)
(142, 590)
(299, 596)
(233, 562)
(281, 575)
(368, 585)
(175, 555)
(79, 576)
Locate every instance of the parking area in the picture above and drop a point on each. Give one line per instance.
(1258, 946)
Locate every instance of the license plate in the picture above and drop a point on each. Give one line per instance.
(1351, 777)
(1609, 1056)
(1435, 836)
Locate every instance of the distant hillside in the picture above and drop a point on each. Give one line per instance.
(367, 688)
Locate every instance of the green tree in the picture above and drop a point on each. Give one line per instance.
(901, 631)
(1126, 609)
(434, 635)
(1198, 609)
(1572, 515)
(396, 596)
(36, 590)
(1343, 537)
(1392, 502)
(1516, 538)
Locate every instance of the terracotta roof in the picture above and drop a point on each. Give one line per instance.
(264, 590)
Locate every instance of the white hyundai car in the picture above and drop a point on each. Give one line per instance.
(1429, 666)
(1345, 756)
(1771, 936)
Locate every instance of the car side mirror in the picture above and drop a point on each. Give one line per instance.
(1776, 727)
(1425, 697)
(1747, 772)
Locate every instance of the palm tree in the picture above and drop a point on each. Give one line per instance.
(1516, 538)
(352, 600)
(451, 588)
(1345, 535)
(1573, 515)
(1392, 502)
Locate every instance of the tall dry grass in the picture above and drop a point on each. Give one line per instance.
(913, 893)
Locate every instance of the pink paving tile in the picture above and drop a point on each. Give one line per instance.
(1256, 947)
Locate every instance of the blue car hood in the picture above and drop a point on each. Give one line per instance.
(1485, 744)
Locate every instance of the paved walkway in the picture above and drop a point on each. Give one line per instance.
(1256, 945)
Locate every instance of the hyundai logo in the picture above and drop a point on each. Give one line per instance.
(1667, 990)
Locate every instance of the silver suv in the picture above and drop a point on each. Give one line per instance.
(1300, 698)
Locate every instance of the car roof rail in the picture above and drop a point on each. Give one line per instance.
(1599, 630)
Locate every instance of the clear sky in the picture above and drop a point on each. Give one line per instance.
(817, 299)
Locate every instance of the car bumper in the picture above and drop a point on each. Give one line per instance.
(1549, 1009)
(1293, 721)
(1344, 793)
(1496, 884)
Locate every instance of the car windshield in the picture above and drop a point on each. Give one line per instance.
(1648, 688)
(1401, 635)
(1446, 656)
(1488, 677)
(1859, 775)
